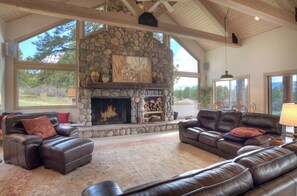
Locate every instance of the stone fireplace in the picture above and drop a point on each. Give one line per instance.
(95, 54)
(111, 110)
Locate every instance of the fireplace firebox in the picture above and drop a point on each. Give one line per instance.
(114, 110)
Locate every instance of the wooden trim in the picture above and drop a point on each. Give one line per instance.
(44, 66)
(162, 10)
(186, 74)
(74, 12)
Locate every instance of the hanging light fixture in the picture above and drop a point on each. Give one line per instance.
(226, 76)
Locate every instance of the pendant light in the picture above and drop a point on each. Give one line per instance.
(226, 76)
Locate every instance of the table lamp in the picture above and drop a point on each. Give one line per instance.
(289, 116)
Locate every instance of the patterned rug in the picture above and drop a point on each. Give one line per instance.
(129, 163)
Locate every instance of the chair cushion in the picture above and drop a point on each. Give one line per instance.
(40, 126)
(246, 132)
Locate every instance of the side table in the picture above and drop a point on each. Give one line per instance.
(275, 142)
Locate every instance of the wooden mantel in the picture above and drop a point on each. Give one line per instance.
(115, 85)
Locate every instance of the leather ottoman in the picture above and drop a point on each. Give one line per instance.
(65, 154)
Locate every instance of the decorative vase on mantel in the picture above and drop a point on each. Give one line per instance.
(105, 77)
(95, 76)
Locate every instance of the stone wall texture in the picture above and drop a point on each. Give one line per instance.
(95, 53)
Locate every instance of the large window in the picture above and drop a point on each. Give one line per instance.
(186, 81)
(46, 68)
(232, 92)
(282, 88)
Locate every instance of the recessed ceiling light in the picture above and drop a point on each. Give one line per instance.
(257, 18)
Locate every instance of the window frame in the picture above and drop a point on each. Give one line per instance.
(17, 65)
(267, 88)
(243, 77)
(196, 75)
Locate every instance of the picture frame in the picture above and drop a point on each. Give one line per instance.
(131, 69)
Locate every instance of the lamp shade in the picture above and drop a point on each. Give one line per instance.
(289, 114)
(227, 76)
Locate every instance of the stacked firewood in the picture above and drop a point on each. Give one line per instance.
(153, 104)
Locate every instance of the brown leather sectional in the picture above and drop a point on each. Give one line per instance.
(206, 131)
(63, 152)
(266, 171)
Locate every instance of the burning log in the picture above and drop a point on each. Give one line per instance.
(109, 113)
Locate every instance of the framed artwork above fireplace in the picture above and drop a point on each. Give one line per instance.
(131, 69)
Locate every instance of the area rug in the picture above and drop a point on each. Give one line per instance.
(129, 163)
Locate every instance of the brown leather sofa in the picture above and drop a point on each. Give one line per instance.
(63, 152)
(267, 171)
(206, 132)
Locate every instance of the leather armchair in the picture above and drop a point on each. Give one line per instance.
(22, 149)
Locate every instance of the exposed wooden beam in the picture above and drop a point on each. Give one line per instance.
(262, 10)
(67, 11)
(147, 5)
(285, 5)
(162, 10)
(133, 7)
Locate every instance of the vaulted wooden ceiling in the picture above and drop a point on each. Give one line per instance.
(199, 20)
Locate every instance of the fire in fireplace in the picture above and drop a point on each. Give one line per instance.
(111, 110)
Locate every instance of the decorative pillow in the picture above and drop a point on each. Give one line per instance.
(63, 117)
(40, 126)
(227, 136)
(246, 132)
(1, 118)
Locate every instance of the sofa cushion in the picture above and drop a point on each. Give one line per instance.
(246, 132)
(223, 178)
(229, 147)
(209, 118)
(210, 138)
(192, 133)
(268, 123)
(230, 137)
(228, 121)
(40, 126)
(268, 163)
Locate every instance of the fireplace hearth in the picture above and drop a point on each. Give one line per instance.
(113, 110)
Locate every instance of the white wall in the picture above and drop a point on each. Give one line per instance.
(16, 30)
(2, 61)
(273, 51)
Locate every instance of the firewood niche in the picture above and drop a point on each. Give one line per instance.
(153, 105)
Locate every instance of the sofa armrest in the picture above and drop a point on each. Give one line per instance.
(23, 138)
(262, 140)
(103, 188)
(66, 130)
(189, 123)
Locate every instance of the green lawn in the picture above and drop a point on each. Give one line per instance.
(35, 100)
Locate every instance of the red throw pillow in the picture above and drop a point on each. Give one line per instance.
(40, 126)
(1, 118)
(63, 117)
(246, 132)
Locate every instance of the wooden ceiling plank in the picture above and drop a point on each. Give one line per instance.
(67, 11)
(133, 7)
(162, 10)
(213, 16)
(293, 3)
(262, 10)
